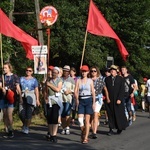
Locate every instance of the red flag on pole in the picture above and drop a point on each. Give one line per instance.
(98, 25)
(9, 29)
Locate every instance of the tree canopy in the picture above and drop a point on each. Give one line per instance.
(129, 19)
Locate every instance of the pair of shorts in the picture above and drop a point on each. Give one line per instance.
(66, 109)
(144, 98)
(127, 104)
(5, 104)
(98, 107)
(85, 106)
(53, 114)
(148, 99)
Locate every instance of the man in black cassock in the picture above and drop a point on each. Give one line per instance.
(115, 105)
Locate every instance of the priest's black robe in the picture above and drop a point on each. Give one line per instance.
(116, 112)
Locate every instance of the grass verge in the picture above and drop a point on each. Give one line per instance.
(37, 119)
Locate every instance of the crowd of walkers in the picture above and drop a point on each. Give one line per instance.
(67, 97)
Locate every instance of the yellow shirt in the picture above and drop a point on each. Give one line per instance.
(143, 90)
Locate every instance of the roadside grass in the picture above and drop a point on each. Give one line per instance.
(37, 119)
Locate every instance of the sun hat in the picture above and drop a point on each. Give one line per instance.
(66, 68)
(113, 67)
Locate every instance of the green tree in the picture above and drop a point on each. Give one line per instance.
(129, 19)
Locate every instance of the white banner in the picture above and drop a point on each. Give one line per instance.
(39, 49)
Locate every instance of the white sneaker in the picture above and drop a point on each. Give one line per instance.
(67, 130)
(23, 128)
(26, 130)
(62, 132)
(59, 124)
(130, 121)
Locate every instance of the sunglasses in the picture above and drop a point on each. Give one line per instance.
(93, 71)
(28, 70)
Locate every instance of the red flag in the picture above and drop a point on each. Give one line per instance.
(98, 25)
(9, 29)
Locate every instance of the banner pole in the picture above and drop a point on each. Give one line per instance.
(48, 44)
(48, 48)
(1, 58)
(85, 38)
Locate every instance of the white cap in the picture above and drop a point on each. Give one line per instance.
(56, 68)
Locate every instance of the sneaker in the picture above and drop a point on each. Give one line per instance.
(62, 132)
(26, 130)
(48, 136)
(106, 122)
(110, 132)
(94, 136)
(9, 135)
(23, 128)
(67, 130)
(53, 139)
(130, 122)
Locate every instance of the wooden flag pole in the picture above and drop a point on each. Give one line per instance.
(48, 51)
(48, 48)
(1, 58)
(1, 49)
(48, 45)
(83, 48)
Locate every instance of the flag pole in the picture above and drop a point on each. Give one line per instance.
(1, 58)
(48, 47)
(85, 38)
(1, 49)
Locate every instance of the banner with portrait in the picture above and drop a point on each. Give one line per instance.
(40, 64)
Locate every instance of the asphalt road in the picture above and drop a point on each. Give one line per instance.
(135, 137)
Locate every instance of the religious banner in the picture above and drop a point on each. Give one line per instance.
(48, 15)
(40, 59)
(40, 64)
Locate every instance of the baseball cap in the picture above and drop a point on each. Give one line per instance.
(84, 68)
(145, 79)
(56, 68)
(51, 67)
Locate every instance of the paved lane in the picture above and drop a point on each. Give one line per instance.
(137, 136)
